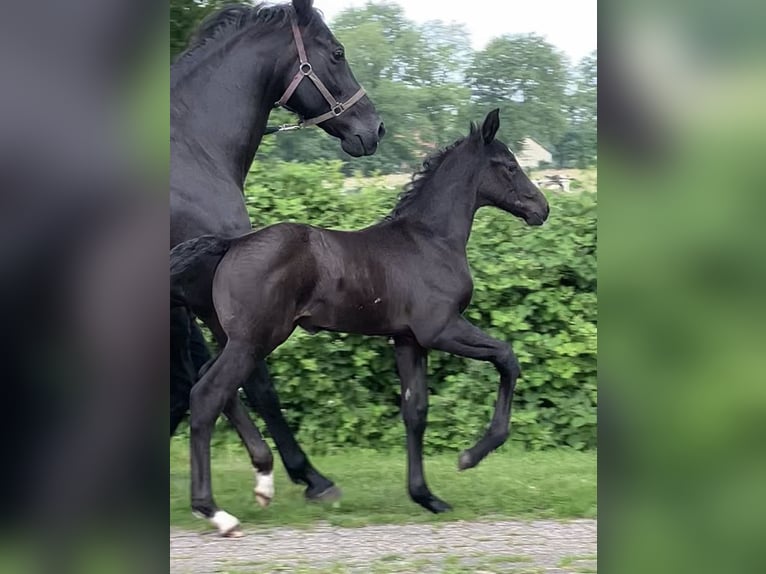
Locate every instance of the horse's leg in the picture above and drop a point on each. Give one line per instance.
(263, 397)
(209, 397)
(257, 448)
(462, 338)
(411, 364)
(182, 369)
(198, 349)
(259, 451)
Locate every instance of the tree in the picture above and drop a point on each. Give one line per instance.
(526, 77)
(185, 15)
(578, 147)
(427, 84)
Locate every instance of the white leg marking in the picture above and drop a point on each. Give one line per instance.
(407, 395)
(264, 487)
(224, 522)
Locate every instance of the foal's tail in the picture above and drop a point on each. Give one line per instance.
(185, 257)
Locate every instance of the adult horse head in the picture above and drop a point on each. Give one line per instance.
(244, 60)
(332, 99)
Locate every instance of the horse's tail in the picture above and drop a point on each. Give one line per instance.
(185, 257)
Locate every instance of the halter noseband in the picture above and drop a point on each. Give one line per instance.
(306, 71)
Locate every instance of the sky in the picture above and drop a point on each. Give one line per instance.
(570, 25)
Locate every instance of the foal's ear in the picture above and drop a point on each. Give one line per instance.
(304, 9)
(474, 129)
(490, 126)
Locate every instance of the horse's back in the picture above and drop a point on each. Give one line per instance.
(268, 256)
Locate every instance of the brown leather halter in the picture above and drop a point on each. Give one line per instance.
(306, 71)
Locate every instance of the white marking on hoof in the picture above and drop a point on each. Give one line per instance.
(226, 524)
(264, 488)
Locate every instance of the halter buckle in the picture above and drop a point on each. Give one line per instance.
(338, 109)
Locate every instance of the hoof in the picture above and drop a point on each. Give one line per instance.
(329, 494)
(262, 500)
(233, 533)
(439, 506)
(227, 525)
(264, 488)
(435, 505)
(465, 461)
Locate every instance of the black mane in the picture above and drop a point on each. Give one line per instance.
(419, 180)
(227, 20)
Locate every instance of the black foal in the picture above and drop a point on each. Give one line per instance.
(406, 277)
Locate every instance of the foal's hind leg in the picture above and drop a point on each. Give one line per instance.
(262, 396)
(462, 338)
(411, 364)
(257, 448)
(208, 399)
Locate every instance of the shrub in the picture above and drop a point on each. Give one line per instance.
(534, 287)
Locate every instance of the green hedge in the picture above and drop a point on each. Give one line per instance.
(534, 287)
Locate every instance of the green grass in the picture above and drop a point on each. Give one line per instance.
(508, 484)
(571, 563)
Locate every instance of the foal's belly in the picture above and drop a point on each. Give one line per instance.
(363, 316)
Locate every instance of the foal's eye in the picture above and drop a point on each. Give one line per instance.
(339, 54)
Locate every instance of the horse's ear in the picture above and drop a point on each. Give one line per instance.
(304, 9)
(474, 127)
(490, 126)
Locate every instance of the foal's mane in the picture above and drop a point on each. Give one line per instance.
(226, 21)
(419, 180)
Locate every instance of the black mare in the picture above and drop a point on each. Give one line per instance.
(241, 61)
(406, 277)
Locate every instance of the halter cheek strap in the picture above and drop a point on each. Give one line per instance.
(306, 71)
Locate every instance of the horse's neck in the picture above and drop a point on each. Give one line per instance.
(222, 107)
(447, 204)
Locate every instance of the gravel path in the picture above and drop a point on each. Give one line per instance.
(541, 546)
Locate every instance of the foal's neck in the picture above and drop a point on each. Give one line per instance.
(447, 203)
(220, 107)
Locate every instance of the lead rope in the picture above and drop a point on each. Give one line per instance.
(282, 128)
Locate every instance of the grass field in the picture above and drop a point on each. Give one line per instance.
(508, 484)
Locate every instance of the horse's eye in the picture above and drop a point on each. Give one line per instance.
(338, 54)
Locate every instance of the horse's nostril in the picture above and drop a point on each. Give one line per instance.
(381, 130)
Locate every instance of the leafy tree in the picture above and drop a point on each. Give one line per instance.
(578, 146)
(526, 77)
(427, 84)
(185, 15)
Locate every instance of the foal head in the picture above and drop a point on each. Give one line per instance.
(502, 182)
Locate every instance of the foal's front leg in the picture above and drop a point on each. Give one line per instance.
(412, 364)
(462, 338)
